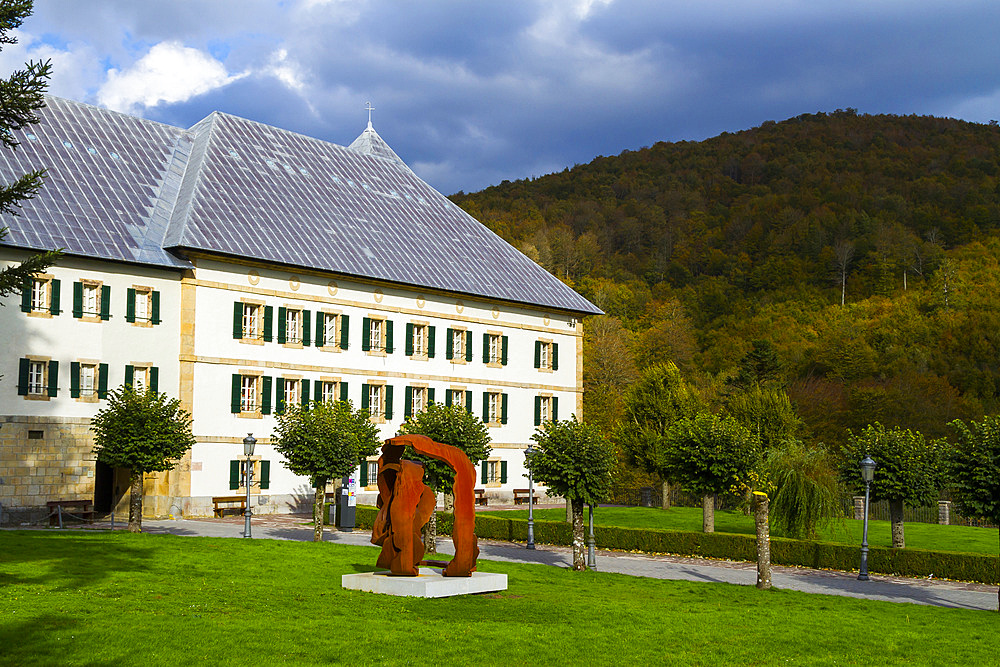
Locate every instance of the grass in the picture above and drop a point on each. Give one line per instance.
(929, 536)
(100, 599)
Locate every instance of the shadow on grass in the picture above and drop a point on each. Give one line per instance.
(68, 560)
(42, 640)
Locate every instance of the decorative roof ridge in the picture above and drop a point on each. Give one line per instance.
(371, 144)
(201, 138)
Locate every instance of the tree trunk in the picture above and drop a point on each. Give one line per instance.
(760, 519)
(135, 503)
(449, 502)
(665, 500)
(896, 517)
(708, 513)
(579, 561)
(429, 533)
(319, 504)
(569, 512)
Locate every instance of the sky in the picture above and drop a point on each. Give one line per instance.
(472, 92)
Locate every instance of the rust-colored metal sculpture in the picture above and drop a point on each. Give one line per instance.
(405, 504)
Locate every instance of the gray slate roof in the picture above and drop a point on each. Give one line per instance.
(128, 189)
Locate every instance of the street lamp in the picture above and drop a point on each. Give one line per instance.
(867, 475)
(248, 444)
(531, 495)
(591, 542)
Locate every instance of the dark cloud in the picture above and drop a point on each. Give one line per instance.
(471, 93)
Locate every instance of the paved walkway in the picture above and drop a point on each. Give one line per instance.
(892, 589)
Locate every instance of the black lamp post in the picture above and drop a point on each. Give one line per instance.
(248, 444)
(531, 494)
(867, 475)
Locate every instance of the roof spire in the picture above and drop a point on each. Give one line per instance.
(370, 108)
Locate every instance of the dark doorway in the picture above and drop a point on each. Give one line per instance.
(104, 487)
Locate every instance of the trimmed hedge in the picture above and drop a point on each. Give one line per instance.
(784, 551)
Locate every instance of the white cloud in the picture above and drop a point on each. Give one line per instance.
(76, 70)
(169, 73)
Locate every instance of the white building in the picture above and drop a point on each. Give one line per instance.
(239, 266)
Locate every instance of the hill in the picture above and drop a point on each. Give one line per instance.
(862, 248)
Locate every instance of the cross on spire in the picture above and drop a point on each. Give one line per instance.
(370, 108)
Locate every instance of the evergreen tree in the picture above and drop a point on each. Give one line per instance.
(21, 95)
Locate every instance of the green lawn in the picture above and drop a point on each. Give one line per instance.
(102, 599)
(848, 531)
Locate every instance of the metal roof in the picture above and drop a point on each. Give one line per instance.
(129, 189)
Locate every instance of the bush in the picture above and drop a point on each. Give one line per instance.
(784, 551)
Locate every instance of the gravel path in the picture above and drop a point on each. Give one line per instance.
(892, 589)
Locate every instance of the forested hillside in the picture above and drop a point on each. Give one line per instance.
(861, 250)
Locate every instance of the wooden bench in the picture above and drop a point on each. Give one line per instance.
(61, 510)
(223, 503)
(521, 497)
(481, 498)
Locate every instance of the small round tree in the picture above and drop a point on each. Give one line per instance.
(709, 454)
(908, 470)
(450, 425)
(324, 441)
(143, 431)
(575, 461)
(973, 465)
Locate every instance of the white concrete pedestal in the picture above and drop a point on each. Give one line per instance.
(430, 583)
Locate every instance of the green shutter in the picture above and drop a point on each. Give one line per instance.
(105, 302)
(449, 350)
(265, 394)
(538, 354)
(407, 402)
(77, 300)
(388, 337)
(74, 377)
(282, 326)
(53, 378)
(364, 473)
(366, 334)
(409, 340)
(555, 408)
(265, 475)
(304, 395)
(503, 350)
(22, 377)
(503, 408)
(155, 300)
(102, 381)
(130, 309)
(430, 395)
(447, 398)
(468, 401)
(268, 323)
(555, 356)
(388, 402)
(320, 329)
(234, 475)
(306, 326)
(154, 379)
(236, 393)
(343, 390)
(344, 330)
(279, 396)
(503, 472)
(26, 295)
(54, 297)
(538, 410)
(486, 348)
(129, 375)
(468, 346)
(486, 407)
(318, 391)
(484, 472)
(431, 340)
(237, 320)
(365, 405)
